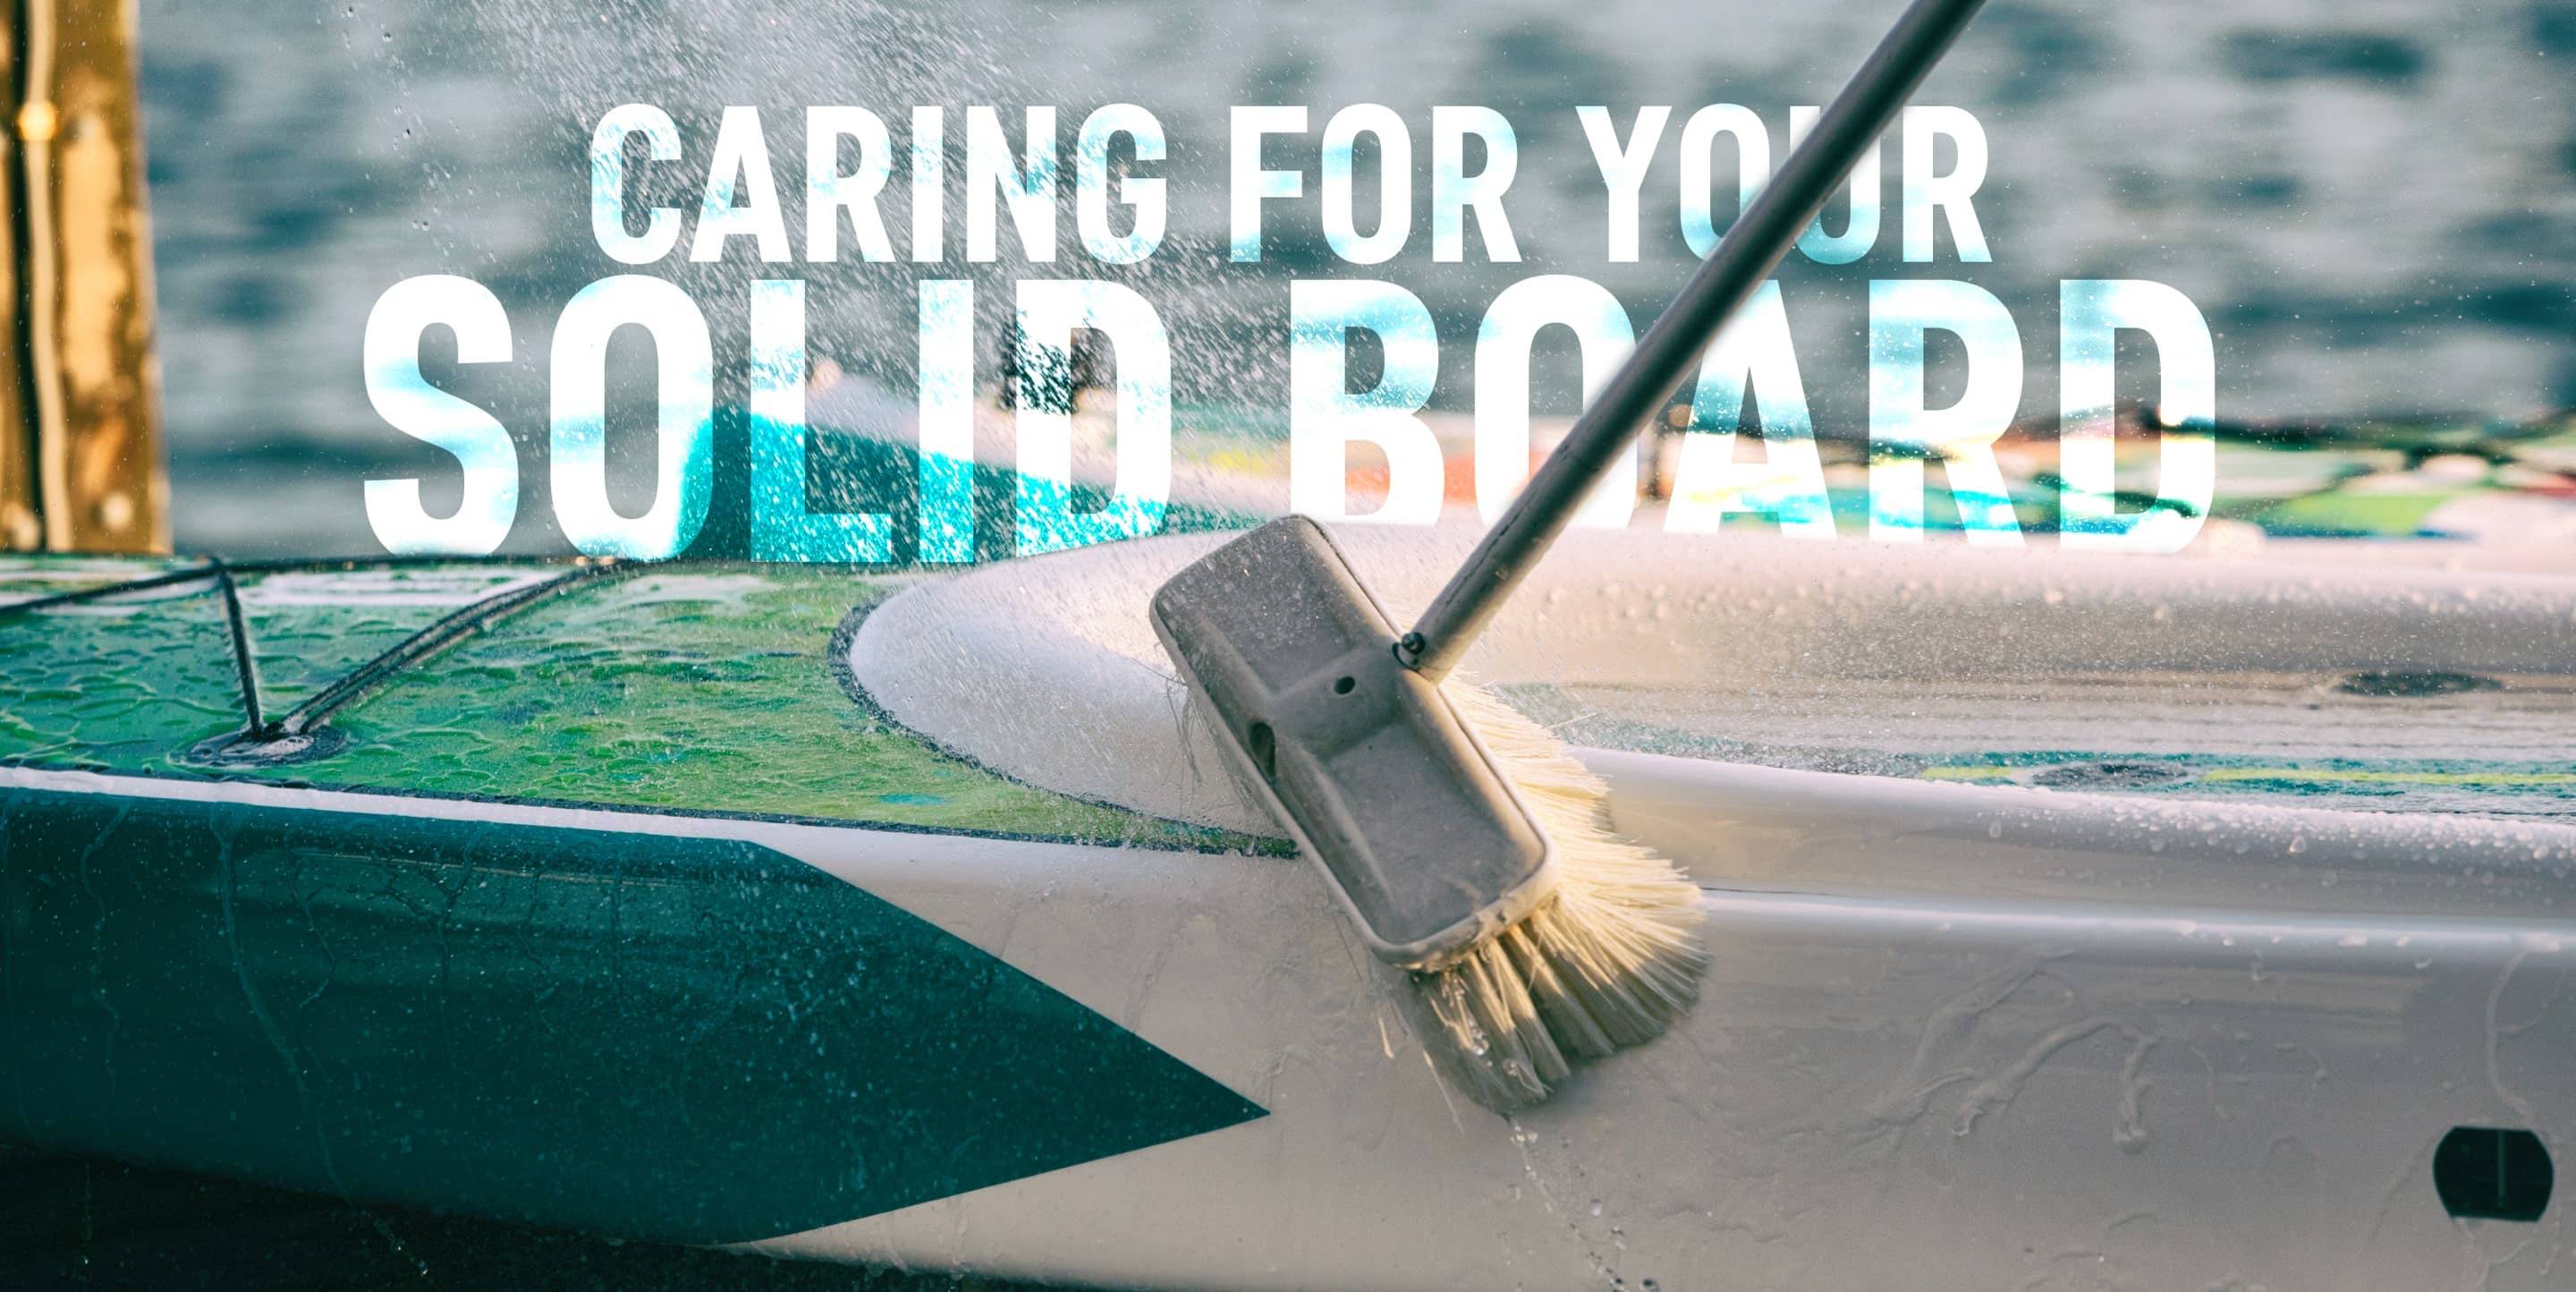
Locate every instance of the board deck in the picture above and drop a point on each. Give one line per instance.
(576, 700)
(705, 689)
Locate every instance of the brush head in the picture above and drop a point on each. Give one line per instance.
(1535, 937)
(1609, 961)
(1366, 763)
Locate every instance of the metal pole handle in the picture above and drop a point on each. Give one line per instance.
(1655, 370)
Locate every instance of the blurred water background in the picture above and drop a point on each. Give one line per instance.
(2373, 201)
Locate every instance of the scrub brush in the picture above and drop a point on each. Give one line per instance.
(1466, 844)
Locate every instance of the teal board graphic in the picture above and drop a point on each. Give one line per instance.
(698, 1039)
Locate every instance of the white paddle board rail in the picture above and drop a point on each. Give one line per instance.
(1955, 1035)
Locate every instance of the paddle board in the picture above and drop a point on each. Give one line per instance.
(877, 915)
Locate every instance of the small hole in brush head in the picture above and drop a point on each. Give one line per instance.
(1342, 686)
(1265, 749)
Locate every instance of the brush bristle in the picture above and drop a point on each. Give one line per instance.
(1609, 961)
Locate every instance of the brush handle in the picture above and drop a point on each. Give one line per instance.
(1672, 347)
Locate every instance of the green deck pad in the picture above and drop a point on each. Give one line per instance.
(694, 1039)
(697, 688)
(694, 690)
(309, 628)
(122, 684)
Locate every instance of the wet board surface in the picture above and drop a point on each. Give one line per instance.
(624, 913)
(705, 689)
(2478, 744)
